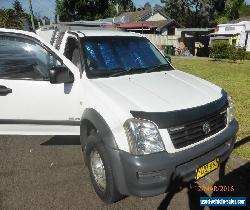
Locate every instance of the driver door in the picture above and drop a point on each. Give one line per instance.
(29, 103)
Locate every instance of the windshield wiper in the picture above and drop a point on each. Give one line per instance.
(158, 67)
(127, 71)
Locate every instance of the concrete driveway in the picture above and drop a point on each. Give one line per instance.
(48, 173)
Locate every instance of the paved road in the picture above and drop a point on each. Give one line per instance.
(48, 173)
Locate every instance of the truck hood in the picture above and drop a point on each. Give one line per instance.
(157, 91)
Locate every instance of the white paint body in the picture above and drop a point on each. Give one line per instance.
(113, 98)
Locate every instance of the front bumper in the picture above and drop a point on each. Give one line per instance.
(157, 173)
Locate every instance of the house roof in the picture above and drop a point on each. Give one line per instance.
(196, 29)
(135, 16)
(143, 15)
(133, 25)
(158, 25)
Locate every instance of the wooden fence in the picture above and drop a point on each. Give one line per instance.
(159, 40)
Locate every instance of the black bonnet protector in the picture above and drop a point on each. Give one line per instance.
(183, 116)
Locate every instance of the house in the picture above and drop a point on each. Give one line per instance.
(153, 21)
(164, 31)
(154, 24)
(237, 34)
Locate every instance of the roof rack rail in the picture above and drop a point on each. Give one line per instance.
(76, 25)
(54, 33)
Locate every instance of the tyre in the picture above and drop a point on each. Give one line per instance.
(100, 170)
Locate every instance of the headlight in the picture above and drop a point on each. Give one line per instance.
(230, 116)
(143, 137)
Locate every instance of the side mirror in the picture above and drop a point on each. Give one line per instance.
(60, 74)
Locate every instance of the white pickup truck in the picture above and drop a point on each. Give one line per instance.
(144, 127)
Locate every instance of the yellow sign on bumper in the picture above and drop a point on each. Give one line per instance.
(206, 169)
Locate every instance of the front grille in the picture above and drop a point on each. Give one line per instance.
(192, 132)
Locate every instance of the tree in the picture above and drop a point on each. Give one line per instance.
(147, 6)
(18, 8)
(71, 10)
(202, 13)
(222, 19)
(244, 10)
(178, 10)
(126, 6)
(8, 19)
(15, 17)
(232, 8)
(158, 7)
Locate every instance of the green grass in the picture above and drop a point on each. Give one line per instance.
(235, 79)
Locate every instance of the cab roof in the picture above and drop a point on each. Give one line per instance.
(89, 28)
(104, 32)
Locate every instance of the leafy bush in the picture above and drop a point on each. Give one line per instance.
(247, 55)
(223, 50)
(220, 50)
(168, 51)
(242, 54)
(232, 53)
(168, 57)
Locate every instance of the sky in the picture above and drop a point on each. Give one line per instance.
(40, 7)
(140, 3)
(47, 7)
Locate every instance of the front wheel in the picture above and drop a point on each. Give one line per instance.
(100, 170)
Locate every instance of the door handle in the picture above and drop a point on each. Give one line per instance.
(4, 90)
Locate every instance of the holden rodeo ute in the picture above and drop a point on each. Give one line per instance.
(143, 125)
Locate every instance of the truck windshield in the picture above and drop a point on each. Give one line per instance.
(115, 56)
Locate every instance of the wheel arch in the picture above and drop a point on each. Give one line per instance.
(92, 120)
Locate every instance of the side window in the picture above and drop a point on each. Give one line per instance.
(21, 58)
(72, 52)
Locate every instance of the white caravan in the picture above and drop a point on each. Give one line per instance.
(237, 34)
